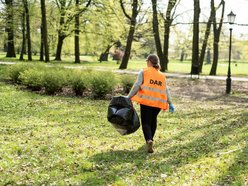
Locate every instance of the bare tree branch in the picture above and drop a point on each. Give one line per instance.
(124, 10)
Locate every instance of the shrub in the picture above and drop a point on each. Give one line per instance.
(79, 81)
(127, 82)
(32, 78)
(14, 71)
(54, 81)
(102, 83)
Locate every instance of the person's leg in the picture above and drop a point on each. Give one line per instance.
(149, 124)
(146, 121)
(154, 120)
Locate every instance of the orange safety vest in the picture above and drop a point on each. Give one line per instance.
(153, 90)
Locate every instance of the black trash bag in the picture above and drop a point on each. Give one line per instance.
(122, 115)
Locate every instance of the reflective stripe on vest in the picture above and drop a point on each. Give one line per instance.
(151, 98)
(153, 90)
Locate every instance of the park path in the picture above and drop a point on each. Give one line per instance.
(181, 75)
(169, 75)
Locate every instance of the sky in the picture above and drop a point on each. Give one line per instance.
(239, 7)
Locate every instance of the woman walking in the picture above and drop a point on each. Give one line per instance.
(151, 92)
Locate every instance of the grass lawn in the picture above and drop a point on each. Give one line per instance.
(238, 68)
(54, 140)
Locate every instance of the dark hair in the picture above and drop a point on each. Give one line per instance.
(154, 60)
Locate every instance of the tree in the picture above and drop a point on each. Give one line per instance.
(132, 21)
(217, 31)
(195, 43)
(110, 29)
(25, 3)
(205, 40)
(23, 49)
(63, 5)
(155, 26)
(77, 29)
(167, 24)
(76, 36)
(10, 28)
(44, 30)
(65, 21)
(168, 19)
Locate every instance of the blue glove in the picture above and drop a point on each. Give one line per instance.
(171, 108)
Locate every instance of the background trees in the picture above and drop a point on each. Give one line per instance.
(44, 34)
(132, 22)
(163, 52)
(195, 42)
(9, 27)
(83, 27)
(217, 30)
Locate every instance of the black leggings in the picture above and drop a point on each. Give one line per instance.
(149, 120)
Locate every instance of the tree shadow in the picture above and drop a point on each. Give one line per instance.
(114, 166)
(110, 166)
(209, 145)
(237, 172)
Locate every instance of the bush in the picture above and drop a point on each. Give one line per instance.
(32, 78)
(127, 82)
(80, 81)
(54, 81)
(102, 83)
(14, 71)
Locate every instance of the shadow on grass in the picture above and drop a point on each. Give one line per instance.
(114, 166)
(237, 173)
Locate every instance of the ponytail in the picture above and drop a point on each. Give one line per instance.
(154, 61)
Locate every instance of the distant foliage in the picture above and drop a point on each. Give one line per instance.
(102, 83)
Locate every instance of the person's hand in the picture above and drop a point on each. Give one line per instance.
(171, 108)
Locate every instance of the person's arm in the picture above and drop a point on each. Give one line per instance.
(168, 95)
(171, 106)
(136, 85)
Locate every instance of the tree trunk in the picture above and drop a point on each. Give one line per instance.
(23, 36)
(182, 55)
(167, 23)
(44, 30)
(205, 41)
(61, 35)
(28, 30)
(77, 24)
(166, 43)
(195, 43)
(10, 29)
(104, 55)
(155, 26)
(41, 44)
(217, 32)
(127, 53)
(59, 47)
(215, 58)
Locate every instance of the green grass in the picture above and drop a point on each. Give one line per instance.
(238, 68)
(53, 140)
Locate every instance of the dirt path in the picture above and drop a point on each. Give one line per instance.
(209, 89)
